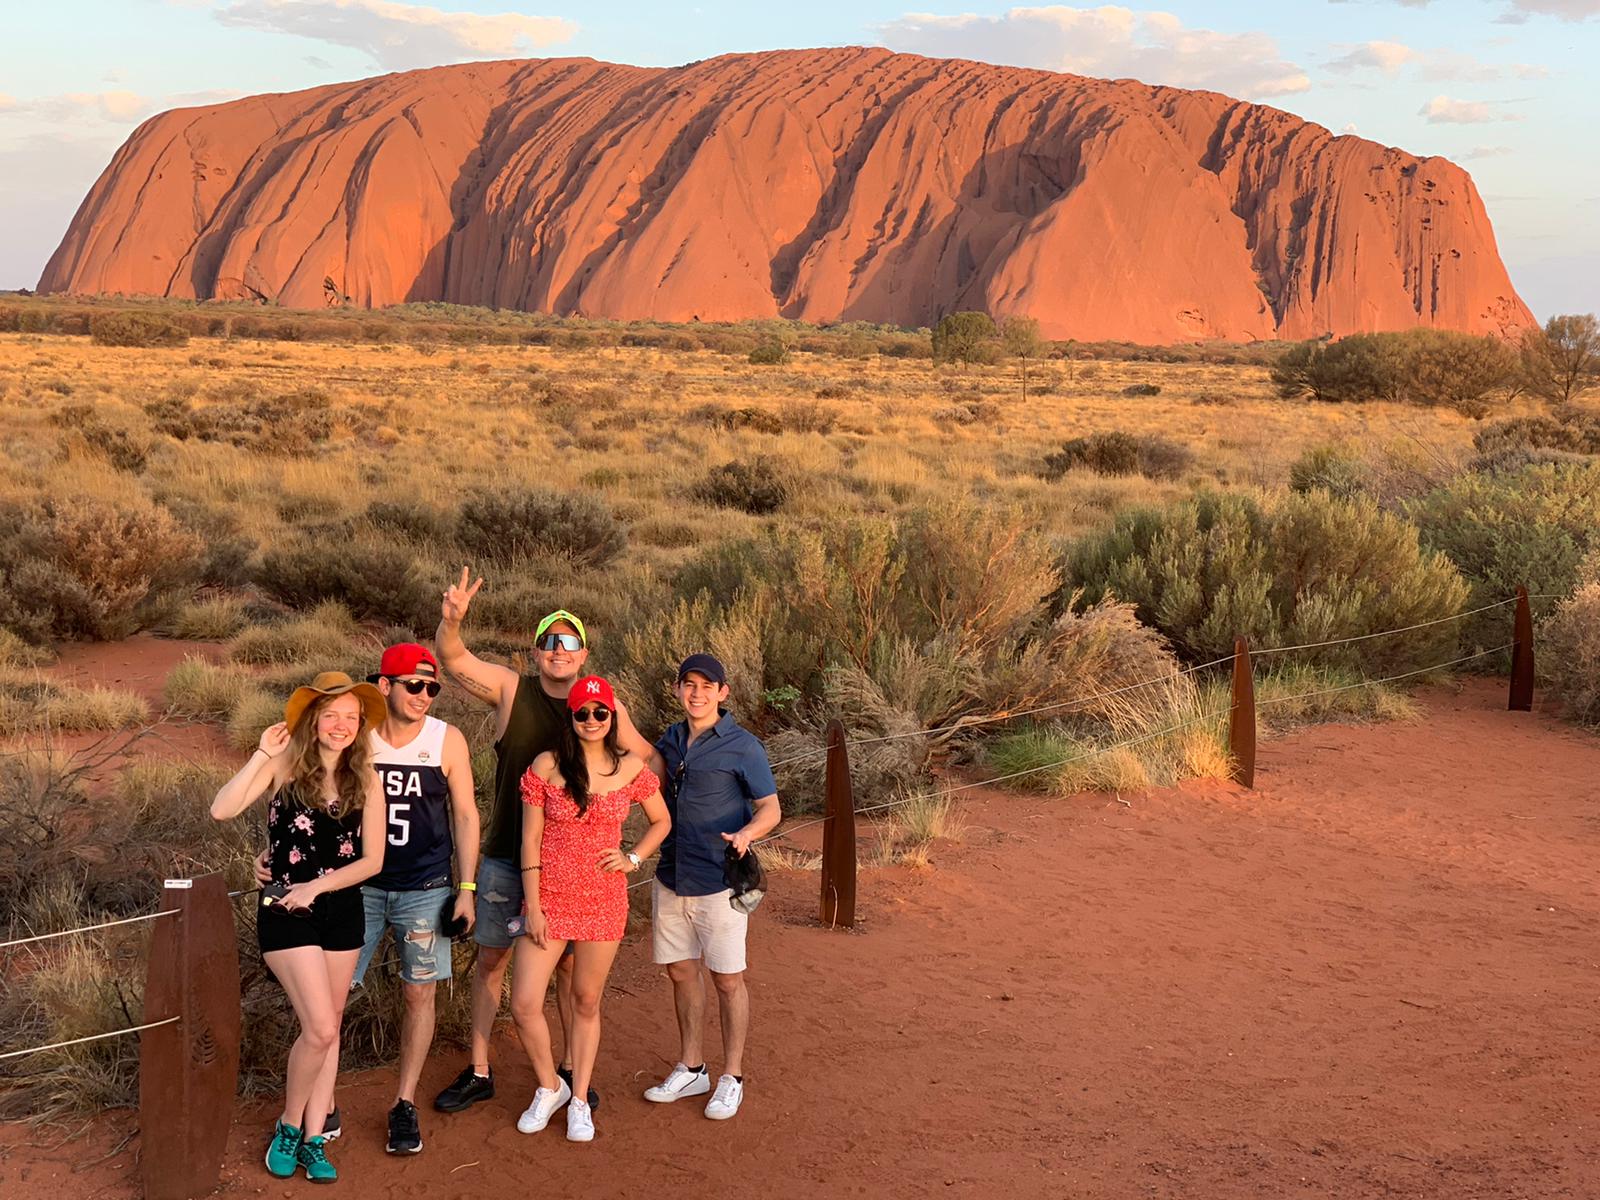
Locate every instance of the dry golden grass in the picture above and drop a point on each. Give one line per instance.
(410, 425)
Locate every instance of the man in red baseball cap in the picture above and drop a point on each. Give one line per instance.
(430, 861)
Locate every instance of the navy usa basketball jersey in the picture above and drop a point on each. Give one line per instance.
(418, 848)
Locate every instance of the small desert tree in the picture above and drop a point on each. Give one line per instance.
(1022, 341)
(966, 337)
(1563, 358)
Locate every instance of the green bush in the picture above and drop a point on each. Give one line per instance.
(1423, 366)
(1571, 641)
(966, 337)
(1308, 569)
(1142, 389)
(754, 486)
(373, 576)
(769, 352)
(1116, 453)
(86, 568)
(1332, 469)
(1531, 527)
(514, 523)
(139, 329)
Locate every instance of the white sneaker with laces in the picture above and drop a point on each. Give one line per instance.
(680, 1083)
(580, 1122)
(545, 1105)
(730, 1092)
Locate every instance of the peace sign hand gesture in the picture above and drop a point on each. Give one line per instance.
(458, 597)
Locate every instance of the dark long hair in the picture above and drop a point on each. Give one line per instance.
(575, 767)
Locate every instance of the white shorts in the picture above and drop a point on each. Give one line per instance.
(707, 927)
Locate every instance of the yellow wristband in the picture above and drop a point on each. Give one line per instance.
(466, 887)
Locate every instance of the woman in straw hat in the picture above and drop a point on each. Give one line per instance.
(316, 767)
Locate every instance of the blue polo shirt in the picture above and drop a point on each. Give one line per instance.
(710, 790)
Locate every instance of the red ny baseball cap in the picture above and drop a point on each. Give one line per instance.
(408, 658)
(591, 688)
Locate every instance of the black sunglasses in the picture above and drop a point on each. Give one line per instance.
(417, 686)
(597, 712)
(570, 642)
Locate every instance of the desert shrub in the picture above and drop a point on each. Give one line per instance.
(1332, 469)
(90, 568)
(1565, 429)
(966, 337)
(1424, 366)
(1570, 639)
(136, 329)
(1142, 389)
(510, 523)
(197, 687)
(719, 417)
(1309, 569)
(255, 711)
(213, 619)
(322, 635)
(1116, 453)
(1215, 399)
(370, 575)
(31, 704)
(755, 486)
(414, 519)
(1562, 359)
(1531, 527)
(769, 352)
(14, 652)
(285, 424)
(803, 416)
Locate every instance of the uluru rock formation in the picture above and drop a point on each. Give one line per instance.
(820, 185)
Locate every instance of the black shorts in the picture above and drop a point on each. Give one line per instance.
(336, 922)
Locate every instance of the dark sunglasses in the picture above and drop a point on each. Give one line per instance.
(570, 642)
(596, 712)
(417, 686)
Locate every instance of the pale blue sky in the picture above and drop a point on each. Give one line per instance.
(1505, 87)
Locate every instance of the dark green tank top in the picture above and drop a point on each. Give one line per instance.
(535, 724)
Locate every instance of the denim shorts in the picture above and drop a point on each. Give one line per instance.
(499, 899)
(418, 920)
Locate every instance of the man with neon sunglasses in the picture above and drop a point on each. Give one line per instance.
(531, 713)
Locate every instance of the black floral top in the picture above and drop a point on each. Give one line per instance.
(303, 842)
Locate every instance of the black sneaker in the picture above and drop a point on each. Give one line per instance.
(332, 1127)
(405, 1135)
(466, 1091)
(566, 1074)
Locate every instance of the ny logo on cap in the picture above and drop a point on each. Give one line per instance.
(594, 687)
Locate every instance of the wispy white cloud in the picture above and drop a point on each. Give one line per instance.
(1486, 152)
(398, 36)
(1446, 110)
(1567, 10)
(1110, 41)
(1434, 66)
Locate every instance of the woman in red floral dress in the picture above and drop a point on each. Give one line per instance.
(578, 798)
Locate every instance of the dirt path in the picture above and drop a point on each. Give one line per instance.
(1372, 977)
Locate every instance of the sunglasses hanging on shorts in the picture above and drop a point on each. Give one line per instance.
(417, 686)
(592, 712)
(570, 642)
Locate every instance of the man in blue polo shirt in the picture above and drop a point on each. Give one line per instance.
(719, 789)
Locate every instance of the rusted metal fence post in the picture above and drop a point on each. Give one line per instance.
(1522, 655)
(1242, 717)
(838, 835)
(189, 1071)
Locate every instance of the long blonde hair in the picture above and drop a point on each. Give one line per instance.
(352, 774)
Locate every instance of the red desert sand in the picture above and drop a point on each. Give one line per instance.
(817, 185)
(1372, 977)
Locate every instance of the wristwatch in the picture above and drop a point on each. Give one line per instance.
(632, 857)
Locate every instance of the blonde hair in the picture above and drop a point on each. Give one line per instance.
(352, 774)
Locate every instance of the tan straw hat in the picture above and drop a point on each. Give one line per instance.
(335, 683)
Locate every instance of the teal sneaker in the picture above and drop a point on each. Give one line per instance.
(283, 1156)
(315, 1161)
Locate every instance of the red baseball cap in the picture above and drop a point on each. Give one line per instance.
(408, 658)
(591, 688)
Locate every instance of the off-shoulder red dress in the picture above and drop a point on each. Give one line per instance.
(581, 902)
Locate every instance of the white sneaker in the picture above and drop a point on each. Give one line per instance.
(682, 1082)
(580, 1123)
(544, 1106)
(726, 1102)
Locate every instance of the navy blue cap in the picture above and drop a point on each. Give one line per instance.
(703, 664)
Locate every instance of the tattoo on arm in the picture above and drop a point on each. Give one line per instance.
(477, 687)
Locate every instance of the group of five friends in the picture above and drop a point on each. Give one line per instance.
(551, 877)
